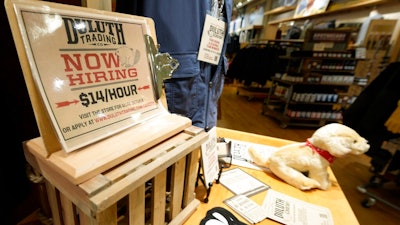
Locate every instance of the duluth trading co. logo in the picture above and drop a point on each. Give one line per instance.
(94, 69)
(93, 32)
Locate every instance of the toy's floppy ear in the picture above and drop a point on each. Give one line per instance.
(341, 146)
(336, 146)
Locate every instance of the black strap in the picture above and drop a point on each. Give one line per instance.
(232, 220)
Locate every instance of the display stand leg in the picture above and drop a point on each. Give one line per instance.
(200, 177)
(219, 173)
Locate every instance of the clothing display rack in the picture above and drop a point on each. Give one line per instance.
(253, 66)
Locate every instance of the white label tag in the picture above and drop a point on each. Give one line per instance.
(212, 40)
(209, 157)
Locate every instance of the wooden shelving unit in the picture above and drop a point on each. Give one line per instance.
(279, 10)
(332, 9)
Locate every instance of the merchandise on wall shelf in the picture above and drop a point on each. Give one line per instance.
(377, 47)
(287, 13)
(249, 21)
(314, 90)
(280, 9)
(332, 40)
(279, 13)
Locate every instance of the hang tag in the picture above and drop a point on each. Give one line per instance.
(212, 40)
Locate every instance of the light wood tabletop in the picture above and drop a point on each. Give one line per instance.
(333, 198)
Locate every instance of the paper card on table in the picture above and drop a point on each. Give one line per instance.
(241, 157)
(240, 182)
(288, 210)
(247, 208)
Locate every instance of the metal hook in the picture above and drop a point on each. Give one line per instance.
(162, 65)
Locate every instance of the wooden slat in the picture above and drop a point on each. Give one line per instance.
(107, 216)
(68, 212)
(186, 213)
(191, 176)
(52, 196)
(158, 198)
(177, 185)
(193, 130)
(85, 219)
(137, 206)
(95, 185)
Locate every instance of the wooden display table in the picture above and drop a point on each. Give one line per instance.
(333, 198)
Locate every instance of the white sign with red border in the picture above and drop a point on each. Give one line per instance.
(92, 71)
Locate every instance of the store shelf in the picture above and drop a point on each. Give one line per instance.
(300, 41)
(285, 121)
(251, 27)
(279, 10)
(246, 2)
(309, 83)
(308, 96)
(335, 7)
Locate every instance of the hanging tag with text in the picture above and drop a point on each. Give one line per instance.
(212, 40)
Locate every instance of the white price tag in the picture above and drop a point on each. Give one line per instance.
(212, 40)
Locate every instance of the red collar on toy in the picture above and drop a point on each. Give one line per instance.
(321, 152)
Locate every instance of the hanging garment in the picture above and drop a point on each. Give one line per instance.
(372, 108)
(195, 87)
(254, 64)
(233, 45)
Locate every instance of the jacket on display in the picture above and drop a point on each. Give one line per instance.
(195, 87)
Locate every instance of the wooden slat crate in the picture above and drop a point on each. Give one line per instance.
(155, 187)
(141, 167)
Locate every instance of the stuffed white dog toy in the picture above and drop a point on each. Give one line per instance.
(305, 165)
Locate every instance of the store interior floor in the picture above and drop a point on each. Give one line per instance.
(241, 112)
